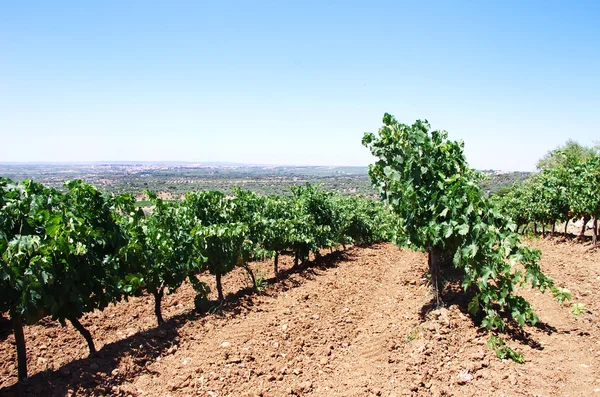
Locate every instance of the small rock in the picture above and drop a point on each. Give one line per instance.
(94, 366)
(464, 377)
(234, 360)
(284, 327)
(225, 345)
(315, 316)
(305, 386)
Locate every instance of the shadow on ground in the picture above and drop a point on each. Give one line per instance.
(123, 360)
(454, 295)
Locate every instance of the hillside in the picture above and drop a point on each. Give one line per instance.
(356, 323)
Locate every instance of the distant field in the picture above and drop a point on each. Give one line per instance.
(177, 179)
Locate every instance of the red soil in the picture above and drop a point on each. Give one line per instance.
(355, 324)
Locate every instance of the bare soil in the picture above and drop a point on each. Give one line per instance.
(354, 323)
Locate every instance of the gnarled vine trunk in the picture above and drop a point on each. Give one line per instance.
(585, 222)
(17, 325)
(158, 295)
(435, 261)
(276, 263)
(566, 226)
(219, 286)
(84, 332)
(595, 231)
(251, 275)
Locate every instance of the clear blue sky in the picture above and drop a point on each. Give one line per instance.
(282, 83)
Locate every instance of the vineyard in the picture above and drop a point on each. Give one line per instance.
(320, 264)
(70, 253)
(567, 188)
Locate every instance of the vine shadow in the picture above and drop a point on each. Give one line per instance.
(5, 327)
(454, 295)
(235, 302)
(96, 374)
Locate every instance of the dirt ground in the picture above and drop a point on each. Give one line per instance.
(356, 323)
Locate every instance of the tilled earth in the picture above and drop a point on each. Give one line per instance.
(355, 323)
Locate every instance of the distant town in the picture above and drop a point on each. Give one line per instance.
(175, 179)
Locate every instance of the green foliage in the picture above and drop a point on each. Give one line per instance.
(67, 253)
(82, 244)
(427, 181)
(25, 209)
(504, 352)
(365, 221)
(560, 157)
(578, 309)
(584, 189)
(59, 250)
(260, 282)
(281, 224)
(567, 187)
(322, 218)
(223, 245)
(159, 249)
(59, 255)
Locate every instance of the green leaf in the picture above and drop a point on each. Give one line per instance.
(463, 229)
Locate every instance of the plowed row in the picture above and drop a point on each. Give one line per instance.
(355, 323)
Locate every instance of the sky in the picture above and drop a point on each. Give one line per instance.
(278, 82)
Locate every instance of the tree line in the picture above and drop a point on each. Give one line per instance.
(566, 188)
